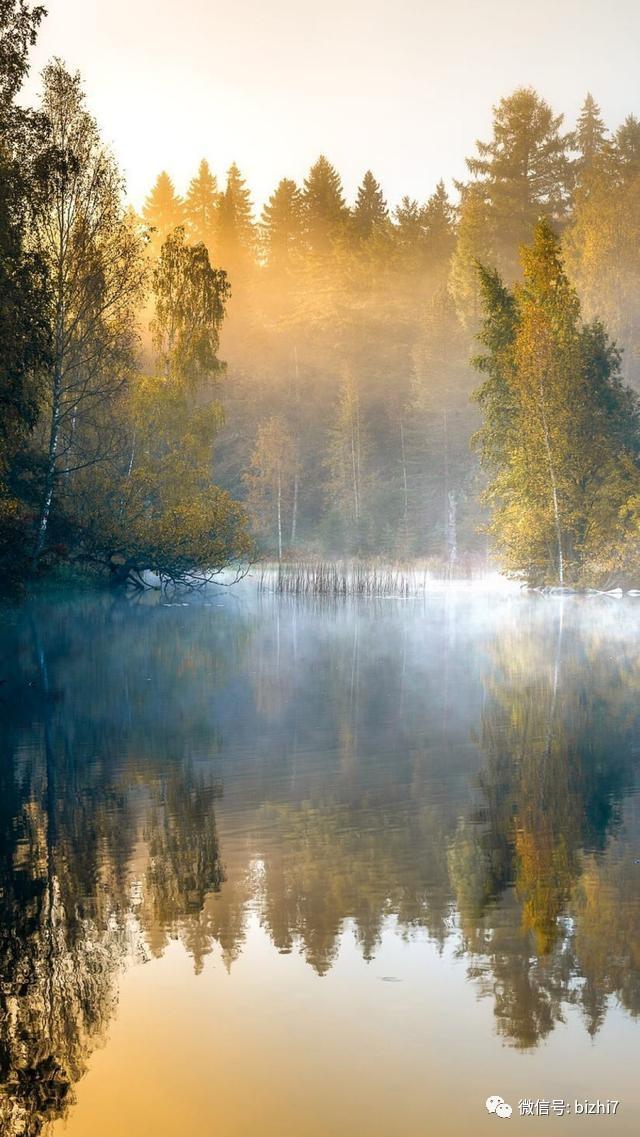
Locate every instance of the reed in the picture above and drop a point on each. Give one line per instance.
(342, 578)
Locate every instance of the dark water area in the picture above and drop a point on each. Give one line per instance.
(283, 867)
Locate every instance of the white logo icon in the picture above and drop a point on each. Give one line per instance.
(496, 1104)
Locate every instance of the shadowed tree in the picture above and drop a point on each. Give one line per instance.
(24, 329)
(97, 277)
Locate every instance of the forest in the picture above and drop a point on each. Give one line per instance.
(189, 383)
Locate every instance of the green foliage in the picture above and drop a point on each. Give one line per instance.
(25, 341)
(156, 507)
(190, 299)
(524, 172)
(561, 433)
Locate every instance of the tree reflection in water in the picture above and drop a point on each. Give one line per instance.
(501, 818)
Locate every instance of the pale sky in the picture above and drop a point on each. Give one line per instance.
(401, 86)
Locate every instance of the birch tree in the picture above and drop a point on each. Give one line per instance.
(272, 483)
(96, 271)
(348, 482)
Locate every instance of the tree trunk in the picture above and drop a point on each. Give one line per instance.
(56, 407)
(554, 487)
(52, 455)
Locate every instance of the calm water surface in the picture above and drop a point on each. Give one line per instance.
(275, 869)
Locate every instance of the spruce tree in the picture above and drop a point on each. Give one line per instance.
(370, 210)
(627, 148)
(561, 434)
(282, 226)
(438, 222)
(235, 229)
(163, 211)
(324, 205)
(524, 172)
(200, 208)
(590, 138)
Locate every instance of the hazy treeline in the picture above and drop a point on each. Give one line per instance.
(351, 325)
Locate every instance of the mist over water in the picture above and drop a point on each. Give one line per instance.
(253, 846)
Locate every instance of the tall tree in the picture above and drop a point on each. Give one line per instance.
(271, 482)
(627, 147)
(200, 208)
(282, 226)
(190, 299)
(162, 212)
(236, 229)
(325, 209)
(475, 242)
(524, 172)
(370, 209)
(347, 462)
(561, 434)
(157, 507)
(24, 332)
(97, 275)
(438, 222)
(590, 140)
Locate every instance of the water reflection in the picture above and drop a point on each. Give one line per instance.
(466, 767)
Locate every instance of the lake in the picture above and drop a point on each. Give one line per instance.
(279, 868)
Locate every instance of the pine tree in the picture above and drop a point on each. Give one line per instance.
(162, 212)
(236, 230)
(523, 172)
(324, 205)
(201, 207)
(370, 210)
(282, 226)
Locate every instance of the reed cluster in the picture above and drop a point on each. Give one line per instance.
(341, 578)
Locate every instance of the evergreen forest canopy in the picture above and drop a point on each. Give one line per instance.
(347, 418)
